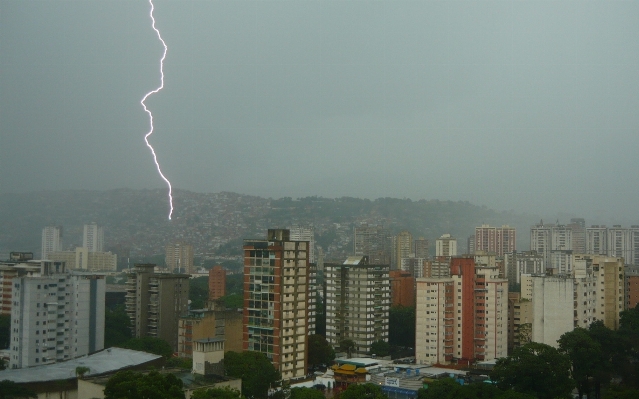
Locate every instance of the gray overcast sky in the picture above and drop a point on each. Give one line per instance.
(525, 105)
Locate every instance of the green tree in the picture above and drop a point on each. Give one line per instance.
(255, 370)
(380, 348)
(233, 301)
(153, 345)
(11, 390)
(133, 385)
(216, 393)
(319, 351)
(586, 357)
(363, 391)
(117, 327)
(306, 393)
(535, 369)
(347, 345)
(5, 331)
(199, 292)
(80, 371)
(401, 322)
(440, 389)
(3, 364)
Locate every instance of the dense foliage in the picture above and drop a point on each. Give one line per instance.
(255, 370)
(5, 331)
(199, 292)
(319, 351)
(153, 345)
(535, 369)
(362, 391)
(306, 393)
(401, 325)
(117, 327)
(380, 348)
(11, 390)
(447, 388)
(216, 393)
(133, 385)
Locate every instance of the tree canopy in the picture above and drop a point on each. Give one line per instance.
(11, 390)
(306, 393)
(134, 385)
(347, 345)
(255, 370)
(199, 292)
(586, 358)
(535, 369)
(116, 327)
(363, 391)
(319, 351)
(380, 348)
(149, 344)
(447, 388)
(401, 326)
(216, 393)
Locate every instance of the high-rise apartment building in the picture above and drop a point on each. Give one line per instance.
(519, 321)
(93, 237)
(436, 268)
(373, 242)
(619, 243)
(631, 285)
(446, 246)
(217, 282)
(179, 257)
(463, 318)
(276, 275)
(541, 239)
(209, 324)
(578, 227)
(421, 248)
(56, 316)
(470, 245)
(155, 301)
(498, 240)
(303, 233)
(525, 262)
(21, 264)
(596, 240)
(403, 248)
(357, 303)
(51, 240)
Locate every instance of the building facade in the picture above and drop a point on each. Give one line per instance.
(446, 246)
(56, 316)
(525, 262)
(358, 301)
(93, 237)
(402, 288)
(464, 318)
(276, 274)
(21, 265)
(51, 240)
(403, 248)
(83, 259)
(373, 242)
(155, 302)
(305, 233)
(209, 324)
(498, 240)
(179, 257)
(217, 282)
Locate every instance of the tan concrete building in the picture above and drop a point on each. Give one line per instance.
(519, 320)
(155, 301)
(208, 324)
(179, 256)
(446, 246)
(403, 248)
(83, 259)
(276, 279)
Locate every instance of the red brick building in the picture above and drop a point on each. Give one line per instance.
(402, 288)
(217, 282)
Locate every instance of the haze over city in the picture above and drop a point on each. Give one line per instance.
(524, 105)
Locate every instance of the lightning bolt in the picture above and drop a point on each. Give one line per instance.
(146, 137)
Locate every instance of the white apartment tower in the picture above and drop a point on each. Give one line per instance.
(357, 303)
(462, 318)
(56, 316)
(51, 240)
(596, 240)
(301, 233)
(93, 238)
(446, 246)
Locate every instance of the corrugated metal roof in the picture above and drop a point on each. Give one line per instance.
(106, 361)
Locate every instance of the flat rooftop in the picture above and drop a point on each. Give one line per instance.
(106, 361)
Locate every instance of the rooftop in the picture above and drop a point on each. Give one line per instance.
(106, 361)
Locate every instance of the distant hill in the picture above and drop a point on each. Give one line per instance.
(136, 222)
